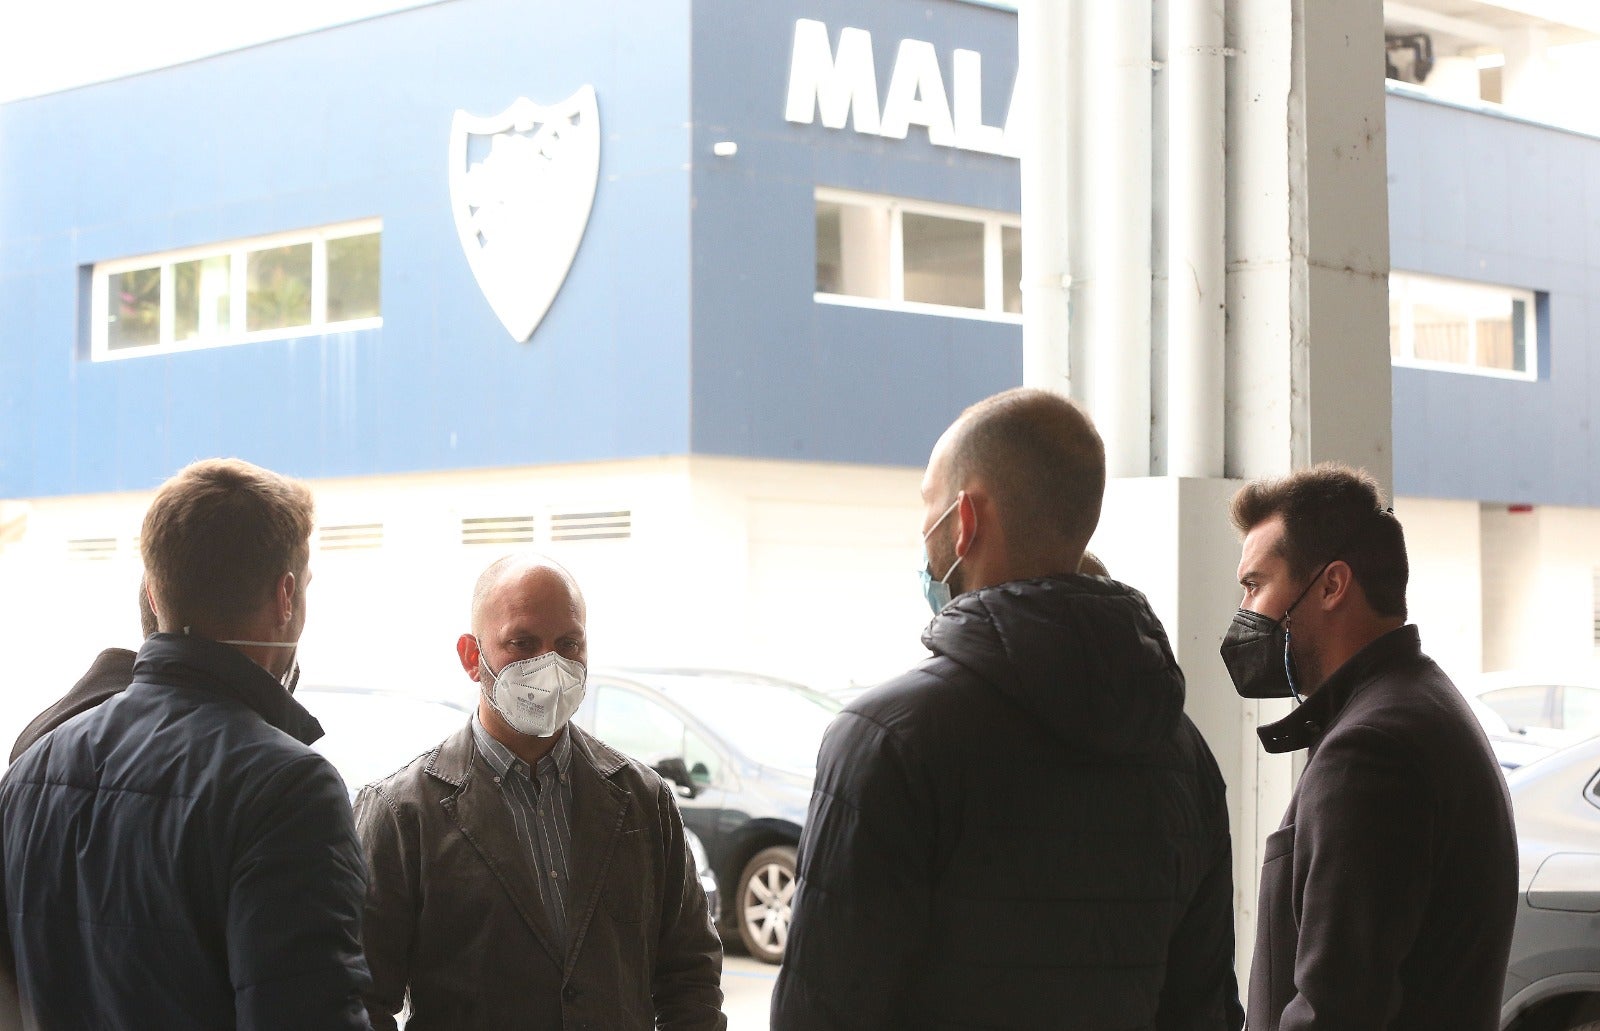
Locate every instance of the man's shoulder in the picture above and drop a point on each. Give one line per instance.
(631, 775)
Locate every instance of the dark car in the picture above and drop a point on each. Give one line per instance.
(742, 750)
(1553, 982)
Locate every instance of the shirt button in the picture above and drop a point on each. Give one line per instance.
(552, 873)
(497, 780)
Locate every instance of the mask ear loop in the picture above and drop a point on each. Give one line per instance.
(1288, 672)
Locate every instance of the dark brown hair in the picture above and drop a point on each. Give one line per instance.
(218, 536)
(1043, 461)
(1333, 512)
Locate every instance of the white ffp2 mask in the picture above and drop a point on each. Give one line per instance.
(536, 696)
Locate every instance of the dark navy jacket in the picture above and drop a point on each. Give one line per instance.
(179, 858)
(1024, 831)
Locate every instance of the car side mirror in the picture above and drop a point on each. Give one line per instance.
(676, 772)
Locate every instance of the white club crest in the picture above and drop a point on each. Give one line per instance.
(522, 184)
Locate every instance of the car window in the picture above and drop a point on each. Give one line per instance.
(705, 765)
(1527, 705)
(1580, 709)
(638, 726)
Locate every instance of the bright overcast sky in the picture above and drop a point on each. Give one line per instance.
(48, 45)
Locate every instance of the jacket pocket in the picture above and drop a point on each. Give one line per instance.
(1277, 933)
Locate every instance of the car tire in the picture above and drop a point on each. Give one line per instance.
(765, 902)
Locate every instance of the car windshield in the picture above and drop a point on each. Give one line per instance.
(371, 734)
(773, 724)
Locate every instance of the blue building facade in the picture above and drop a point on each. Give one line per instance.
(685, 325)
(688, 323)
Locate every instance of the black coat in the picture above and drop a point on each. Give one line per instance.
(1024, 831)
(109, 675)
(1389, 894)
(178, 858)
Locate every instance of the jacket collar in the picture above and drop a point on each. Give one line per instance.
(185, 660)
(1305, 726)
(451, 762)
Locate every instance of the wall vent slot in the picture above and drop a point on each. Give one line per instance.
(351, 537)
(591, 526)
(497, 530)
(91, 549)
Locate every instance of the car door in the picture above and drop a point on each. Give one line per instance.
(641, 726)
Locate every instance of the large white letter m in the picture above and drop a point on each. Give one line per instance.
(833, 84)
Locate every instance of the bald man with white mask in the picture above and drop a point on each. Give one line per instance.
(524, 874)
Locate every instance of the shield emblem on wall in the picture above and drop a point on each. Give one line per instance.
(522, 183)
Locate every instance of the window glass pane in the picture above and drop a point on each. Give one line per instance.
(1441, 334)
(1580, 709)
(1521, 706)
(133, 309)
(943, 260)
(632, 723)
(278, 288)
(1011, 267)
(852, 250)
(353, 278)
(201, 297)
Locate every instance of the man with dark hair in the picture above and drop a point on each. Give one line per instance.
(1389, 893)
(1024, 831)
(524, 874)
(179, 857)
(109, 675)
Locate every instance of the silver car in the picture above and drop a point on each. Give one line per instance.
(1553, 982)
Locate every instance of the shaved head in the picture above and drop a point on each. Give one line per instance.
(510, 572)
(1041, 459)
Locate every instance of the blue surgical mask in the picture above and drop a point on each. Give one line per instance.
(937, 592)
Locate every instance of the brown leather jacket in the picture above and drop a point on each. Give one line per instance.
(453, 917)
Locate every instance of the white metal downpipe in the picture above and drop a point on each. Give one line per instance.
(1196, 220)
(1043, 91)
(1115, 202)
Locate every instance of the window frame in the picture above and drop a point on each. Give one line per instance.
(1407, 357)
(237, 252)
(897, 207)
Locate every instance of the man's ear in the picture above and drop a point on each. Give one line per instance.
(467, 652)
(1338, 585)
(285, 599)
(967, 518)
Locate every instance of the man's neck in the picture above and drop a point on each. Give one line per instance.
(1349, 644)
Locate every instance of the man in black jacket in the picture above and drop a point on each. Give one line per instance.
(178, 857)
(1389, 893)
(1024, 831)
(108, 676)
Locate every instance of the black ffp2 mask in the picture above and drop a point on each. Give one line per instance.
(1256, 651)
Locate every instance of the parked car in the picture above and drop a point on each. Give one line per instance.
(1544, 710)
(741, 750)
(1553, 982)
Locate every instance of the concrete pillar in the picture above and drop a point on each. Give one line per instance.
(1306, 357)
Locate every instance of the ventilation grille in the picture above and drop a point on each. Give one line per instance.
(351, 537)
(591, 526)
(497, 530)
(91, 549)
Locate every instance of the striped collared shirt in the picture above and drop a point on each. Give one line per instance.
(542, 817)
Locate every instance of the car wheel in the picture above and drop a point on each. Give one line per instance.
(766, 899)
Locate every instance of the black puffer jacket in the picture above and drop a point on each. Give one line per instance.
(1024, 831)
(178, 858)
